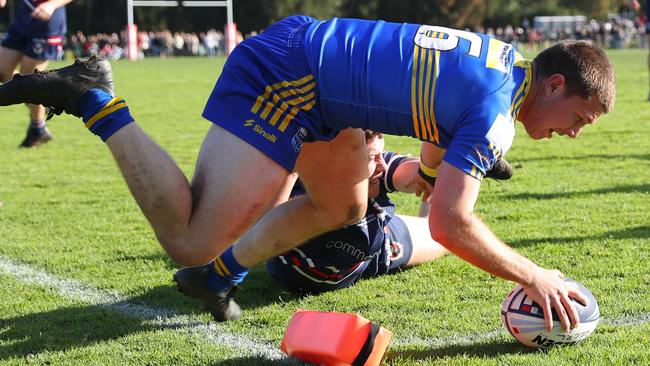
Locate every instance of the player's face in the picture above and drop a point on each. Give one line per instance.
(565, 116)
(376, 164)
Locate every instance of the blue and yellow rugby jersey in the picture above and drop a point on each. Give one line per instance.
(459, 90)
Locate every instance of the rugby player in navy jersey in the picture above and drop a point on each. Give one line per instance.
(298, 97)
(379, 243)
(33, 39)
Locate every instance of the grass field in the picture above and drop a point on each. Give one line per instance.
(83, 280)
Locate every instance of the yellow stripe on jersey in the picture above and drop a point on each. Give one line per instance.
(524, 88)
(421, 120)
(414, 80)
(495, 150)
(297, 95)
(476, 173)
(427, 101)
(436, 73)
(426, 68)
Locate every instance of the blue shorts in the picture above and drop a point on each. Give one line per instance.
(267, 95)
(297, 277)
(400, 245)
(36, 47)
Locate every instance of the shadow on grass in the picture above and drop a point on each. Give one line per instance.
(640, 188)
(639, 232)
(62, 329)
(484, 350)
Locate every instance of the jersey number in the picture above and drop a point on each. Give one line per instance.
(446, 39)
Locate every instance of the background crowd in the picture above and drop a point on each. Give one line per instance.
(615, 32)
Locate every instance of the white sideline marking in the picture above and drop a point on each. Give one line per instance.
(244, 345)
(213, 332)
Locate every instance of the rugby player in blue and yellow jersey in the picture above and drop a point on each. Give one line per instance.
(34, 38)
(298, 97)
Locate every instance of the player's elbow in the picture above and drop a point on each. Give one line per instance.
(448, 227)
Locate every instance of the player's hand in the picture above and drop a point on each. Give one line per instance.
(43, 11)
(551, 291)
(3, 3)
(422, 188)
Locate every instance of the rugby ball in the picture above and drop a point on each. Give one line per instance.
(524, 319)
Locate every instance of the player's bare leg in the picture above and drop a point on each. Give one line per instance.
(9, 59)
(37, 132)
(335, 176)
(233, 185)
(425, 249)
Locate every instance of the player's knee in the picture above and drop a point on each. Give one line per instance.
(189, 253)
(349, 214)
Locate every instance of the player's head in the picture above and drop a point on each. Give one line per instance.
(376, 164)
(573, 85)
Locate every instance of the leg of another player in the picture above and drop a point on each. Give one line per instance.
(233, 185)
(335, 176)
(425, 249)
(9, 59)
(37, 133)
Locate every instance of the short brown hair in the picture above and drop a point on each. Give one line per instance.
(585, 67)
(370, 134)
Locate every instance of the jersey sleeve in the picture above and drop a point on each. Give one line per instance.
(483, 137)
(393, 160)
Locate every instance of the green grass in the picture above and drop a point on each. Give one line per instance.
(580, 206)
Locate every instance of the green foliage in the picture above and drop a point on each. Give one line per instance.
(580, 206)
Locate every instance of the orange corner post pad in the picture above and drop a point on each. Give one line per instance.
(335, 339)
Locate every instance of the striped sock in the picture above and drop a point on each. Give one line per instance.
(226, 272)
(37, 124)
(104, 114)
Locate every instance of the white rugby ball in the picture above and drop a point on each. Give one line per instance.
(524, 319)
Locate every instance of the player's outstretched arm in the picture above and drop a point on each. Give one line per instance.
(454, 225)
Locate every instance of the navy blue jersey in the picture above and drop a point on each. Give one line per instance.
(459, 90)
(26, 24)
(341, 257)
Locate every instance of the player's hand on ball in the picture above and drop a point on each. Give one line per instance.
(549, 289)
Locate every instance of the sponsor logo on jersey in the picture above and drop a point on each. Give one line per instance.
(260, 130)
(298, 139)
(498, 56)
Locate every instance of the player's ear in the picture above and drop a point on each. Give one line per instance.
(555, 82)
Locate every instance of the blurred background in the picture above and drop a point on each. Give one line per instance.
(99, 26)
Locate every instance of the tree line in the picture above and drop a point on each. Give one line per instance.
(101, 16)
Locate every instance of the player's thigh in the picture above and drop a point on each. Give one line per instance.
(335, 174)
(29, 65)
(233, 185)
(9, 59)
(424, 248)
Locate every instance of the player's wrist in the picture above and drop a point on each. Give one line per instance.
(427, 173)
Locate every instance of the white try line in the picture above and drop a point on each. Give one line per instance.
(213, 332)
(244, 345)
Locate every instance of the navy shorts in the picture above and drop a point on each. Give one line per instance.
(36, 47)
(267, 95)
(297, 277)
(400, 245)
